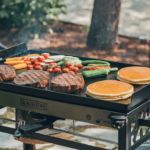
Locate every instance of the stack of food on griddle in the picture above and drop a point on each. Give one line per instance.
(134, 75)
(110, 90)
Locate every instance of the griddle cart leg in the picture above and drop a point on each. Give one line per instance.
(28, 147)
(25, 146)
(123, 137)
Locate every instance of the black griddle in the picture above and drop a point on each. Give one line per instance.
(140, 95)
(127, 116)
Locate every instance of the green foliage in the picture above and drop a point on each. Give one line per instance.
(86, 28)
(29, 13)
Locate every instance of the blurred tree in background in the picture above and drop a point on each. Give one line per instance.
(29, 13)
(104, 24)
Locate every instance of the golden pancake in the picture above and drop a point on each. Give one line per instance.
(134, 75)
(109, 90)
(115, 98)
(133, 82)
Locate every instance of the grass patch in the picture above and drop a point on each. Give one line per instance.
(86, 28)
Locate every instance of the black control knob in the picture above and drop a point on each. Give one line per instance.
(117, 121)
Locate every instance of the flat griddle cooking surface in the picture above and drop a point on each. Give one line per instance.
(140, 95)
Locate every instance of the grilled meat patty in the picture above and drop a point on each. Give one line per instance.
(34, 78)
(67, 82)
(7, 73)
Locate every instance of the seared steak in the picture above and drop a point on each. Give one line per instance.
(7, 73)
(67, 82)
(34, 78)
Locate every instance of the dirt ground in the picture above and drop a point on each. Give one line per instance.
(71, 39)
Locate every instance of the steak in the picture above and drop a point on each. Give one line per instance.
(67, 82)
(7, 73)
(34, 78)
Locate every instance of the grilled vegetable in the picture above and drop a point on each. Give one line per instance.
(75, 69)
(27, 62)
(46, 66)
(46, 55)
(56, 58)
(50, 70)
(79, 65)
(57, 66)
(69, 60)
(34, 60)
(20, 66)
(37, 63)
(99, 72)
(26, 58)
(20, 58)
(48, 61)
(68, 66)
(101, 67)
(95, 62)
(30, 67)
(65, 70)
(14, 59)
(60, 63)
(53, 64)
(57, 69)
(73, 62)
(88, 67)
(41, 58)
(14, 62)
(38, 68)
(33, 55)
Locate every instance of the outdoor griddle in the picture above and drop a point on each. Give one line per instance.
(125, 115)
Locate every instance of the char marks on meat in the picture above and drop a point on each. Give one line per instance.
(67, 82)
(7, 73)
(34, 78)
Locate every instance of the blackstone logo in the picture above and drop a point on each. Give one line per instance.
(33, 104)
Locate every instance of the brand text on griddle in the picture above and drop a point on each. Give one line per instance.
(33, 104)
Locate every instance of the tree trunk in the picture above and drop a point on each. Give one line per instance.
(104, 25)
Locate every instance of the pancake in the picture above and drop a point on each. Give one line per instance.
(134, 75)
(133, 82)
(110, 90)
